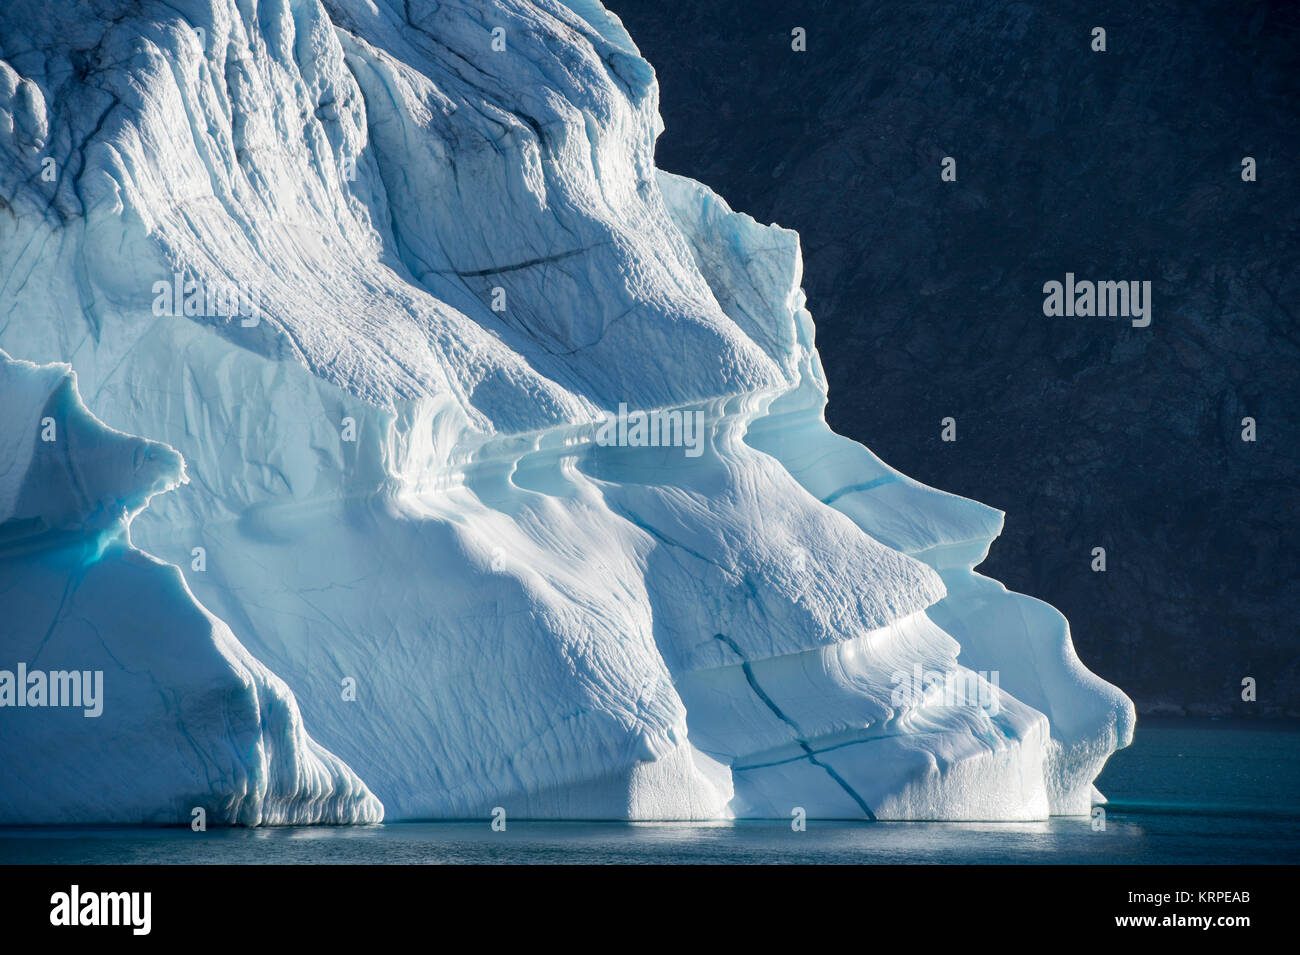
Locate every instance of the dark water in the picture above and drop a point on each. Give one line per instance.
(1185, 792)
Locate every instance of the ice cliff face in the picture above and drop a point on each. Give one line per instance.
(170, 714)
(460, 259)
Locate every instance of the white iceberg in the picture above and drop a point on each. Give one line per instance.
(463, 261)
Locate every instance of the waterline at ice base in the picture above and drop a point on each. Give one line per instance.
(399, 443)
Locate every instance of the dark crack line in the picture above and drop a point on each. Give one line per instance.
(865, 486)
(544, 260)
(809, 752)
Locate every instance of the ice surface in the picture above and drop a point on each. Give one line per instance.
(172, 713)
(528, 618)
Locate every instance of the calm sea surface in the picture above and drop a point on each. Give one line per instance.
(1185, 792)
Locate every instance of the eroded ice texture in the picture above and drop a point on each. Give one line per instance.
(158, 709)
(531, 619)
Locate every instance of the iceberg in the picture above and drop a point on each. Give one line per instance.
(455, 264)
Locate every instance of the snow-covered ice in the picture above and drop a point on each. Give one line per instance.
(409, 525)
